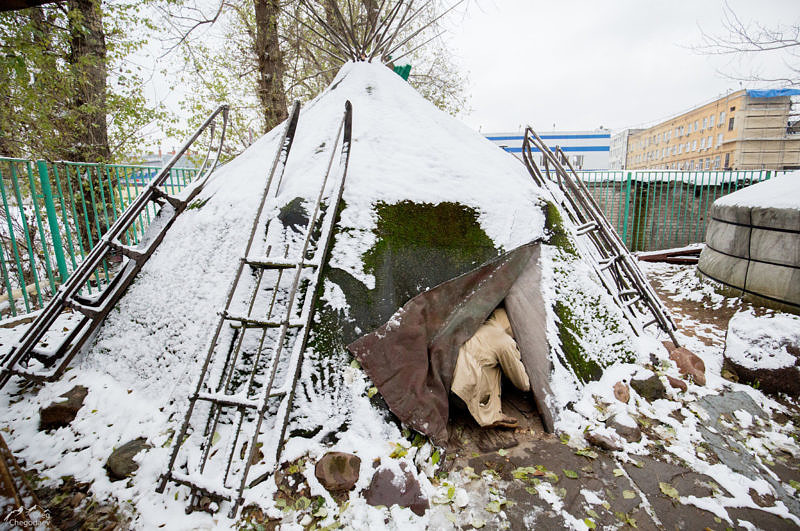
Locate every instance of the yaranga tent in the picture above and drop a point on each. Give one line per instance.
(753, 242)
(426, 200)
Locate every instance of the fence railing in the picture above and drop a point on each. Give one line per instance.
(660, 209)
(53, 213)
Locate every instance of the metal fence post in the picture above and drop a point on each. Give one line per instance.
(52, 219)
(627, 207)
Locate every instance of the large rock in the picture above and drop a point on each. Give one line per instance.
(60, 414)
(338, 471)
(386, 488)
(650, 389)
(120, 463)
(689, 364)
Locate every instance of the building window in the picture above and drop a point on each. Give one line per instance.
(709, 141)
(721, 118)
(727, 160)
(730, 124)
(733, 109)
(708, 163)
(711, 121)
(719, 140)
(705, 123)
(694, 145)
(696, 125)
(716, 162)
(702, 143)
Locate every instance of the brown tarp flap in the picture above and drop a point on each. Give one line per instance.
(528, 316)
(411, 358)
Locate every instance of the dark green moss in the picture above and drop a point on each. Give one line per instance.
(557, 234)
(574, 354)
(418, 245)
(294, 215)
(197, 204)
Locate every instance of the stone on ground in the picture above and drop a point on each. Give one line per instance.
(120, 464)
(338, 471)
(60, 414)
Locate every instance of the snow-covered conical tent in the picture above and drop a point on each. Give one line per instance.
(426, 200)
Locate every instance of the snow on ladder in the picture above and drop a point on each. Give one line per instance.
(614, 265)
(247, 381)
(33, 345)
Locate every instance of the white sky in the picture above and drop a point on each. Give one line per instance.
(583, 64)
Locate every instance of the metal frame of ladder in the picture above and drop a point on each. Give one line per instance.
(246, 395)
(611, 260)
(95, 308)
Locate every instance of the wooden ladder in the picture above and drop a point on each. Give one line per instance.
(247, 381)
(599, 242)
(94, 308)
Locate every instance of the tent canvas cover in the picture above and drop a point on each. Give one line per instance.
(427, 199)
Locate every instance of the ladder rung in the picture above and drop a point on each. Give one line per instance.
(628, 292)
(126, 250)
(605, 264)
(172, 200)
(27, 373)
(201, 484)
(649, 323)
(88, 311)
(38, 351)
(276, 263)
(583, 229)
(292, 323)
(230, 400)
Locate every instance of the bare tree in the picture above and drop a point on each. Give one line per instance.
(748, 38)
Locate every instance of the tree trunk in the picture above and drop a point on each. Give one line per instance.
(269, 84)
(88, 61)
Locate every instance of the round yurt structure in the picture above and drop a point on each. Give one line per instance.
(753, 242)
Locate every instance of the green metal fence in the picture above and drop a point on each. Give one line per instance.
(51, 216)
(661, 209)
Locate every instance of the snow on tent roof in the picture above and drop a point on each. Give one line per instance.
(403, 149)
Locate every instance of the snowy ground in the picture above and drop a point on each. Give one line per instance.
(719, 456)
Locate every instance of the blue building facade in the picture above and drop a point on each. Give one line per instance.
(587, 150)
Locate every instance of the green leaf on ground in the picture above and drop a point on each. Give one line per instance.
(618, 472)
(669, 490)
(399, 451)
(435, 457)
(372, 392)
(628, 494)
(570, 474)
(587, 452)
(589, 523)
(502, 452)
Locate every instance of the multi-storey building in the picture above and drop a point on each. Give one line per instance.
(586, 150)
(747, 129)
(619, 149)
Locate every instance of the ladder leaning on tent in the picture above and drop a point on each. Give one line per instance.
(250, 379)
(611, 260)
(95, 307)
